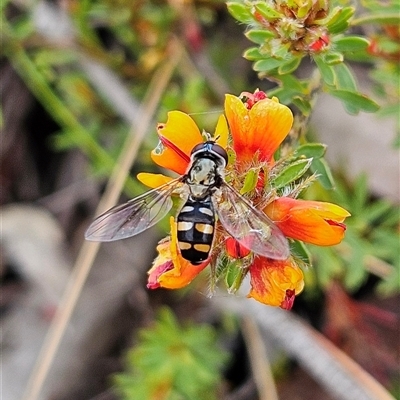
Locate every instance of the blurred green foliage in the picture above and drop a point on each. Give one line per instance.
(172, 362)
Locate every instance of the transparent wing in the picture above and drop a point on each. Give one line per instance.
(249, 226)
(133, 217)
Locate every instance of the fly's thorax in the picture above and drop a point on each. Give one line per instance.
(203, 176)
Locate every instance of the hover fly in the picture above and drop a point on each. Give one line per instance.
(206, 196)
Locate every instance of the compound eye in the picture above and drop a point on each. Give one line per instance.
(217, 149)
(198, 147)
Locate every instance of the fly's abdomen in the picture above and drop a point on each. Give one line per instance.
(196, 222)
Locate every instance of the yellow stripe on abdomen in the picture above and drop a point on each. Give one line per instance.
(205, 248)
(204, 228)
(185, 225)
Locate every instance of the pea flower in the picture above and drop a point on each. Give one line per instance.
(252, 130)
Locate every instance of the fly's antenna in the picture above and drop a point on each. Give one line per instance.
(207, 136)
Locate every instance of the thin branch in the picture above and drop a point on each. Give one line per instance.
(260, 365)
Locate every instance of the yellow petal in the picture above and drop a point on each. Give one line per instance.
(170, 270)
(178, 136)
(153, 180)
(222, 132)
(271, 279)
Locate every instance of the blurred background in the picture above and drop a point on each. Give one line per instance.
(80, 80)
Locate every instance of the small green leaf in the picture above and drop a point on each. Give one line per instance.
(266, 11)
(259, 36)
(340, 21)
(253, 54)
(311, 150)
(284, 95)
(332, 58)
(321, 167)
(326, 71)
(381, 18)
(303, 10)
(289, 66)
(64, 140)
(303, 104)
(266, 65)
(358, 100)
(300, 251)
(345, 78)
(250, 181)
(356, 272)
(350, 43)
(240, 12)
(360, 194)
(378, 210)
(234, 277)
(291, 173)
(293, 83)
(45, 57)
(22, 28)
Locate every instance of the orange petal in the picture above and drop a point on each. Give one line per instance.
(313, 222)
(275, 282)
(258, 130)
(177, 136)
(173, 280)
(153, 180)
(170, 270)
(235, 249)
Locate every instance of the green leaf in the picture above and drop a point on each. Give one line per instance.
(250, 181)
(327, 265)
(234, 277)
(381, 18)
(259, 36)
(350, 43)
(346, 81)
(345, 78)
(266, 11)
(181, 362)
(303, 104)
(354, 99)
(23, 27)
(240, 12)
(293, 84)
(321, 167)
(326, 71)
(340, 21)
(356, 272)
(378, 210)
(55, 57)
(291, 173)
(253, 53)
(300, 251)
(311, 150)
(266, 65)
(360, 194)
(289, 66)
(332, 58)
